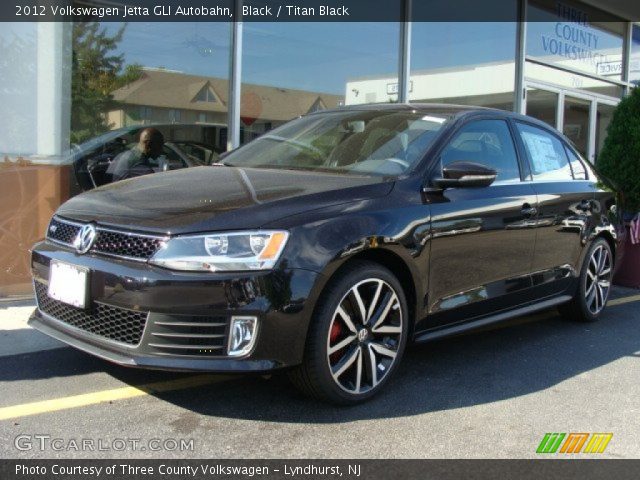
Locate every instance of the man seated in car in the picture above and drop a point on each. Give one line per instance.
(146, 157)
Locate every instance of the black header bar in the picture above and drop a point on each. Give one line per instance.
(295, 11)
(209, 469)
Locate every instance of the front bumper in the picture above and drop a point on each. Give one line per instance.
(143, 316)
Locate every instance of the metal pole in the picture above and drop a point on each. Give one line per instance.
(235, 79)
(521, 45)
(626, 55)
(404, 66)
(593, 117)
(560, 112)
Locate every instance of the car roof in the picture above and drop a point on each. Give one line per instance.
(443, 109)
(401, 107)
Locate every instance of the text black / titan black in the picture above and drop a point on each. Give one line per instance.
(329, 243)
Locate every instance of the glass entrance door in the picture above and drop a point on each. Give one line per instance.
(575, 122)
(582, 117)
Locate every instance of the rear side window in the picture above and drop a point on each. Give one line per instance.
(487, 142)
(546, 153)
(577, 165)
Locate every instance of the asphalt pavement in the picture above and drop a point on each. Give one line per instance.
(490, 394)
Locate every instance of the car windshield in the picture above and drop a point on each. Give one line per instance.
(385, 143)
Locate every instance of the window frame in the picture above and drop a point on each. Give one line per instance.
(434, 169)
(565, 144)
(588, 168)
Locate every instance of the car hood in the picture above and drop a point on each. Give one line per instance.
(217, 198)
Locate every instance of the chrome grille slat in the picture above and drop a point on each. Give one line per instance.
(197, 335)
(186, 347)
(187, 335)
(109, 242)
(190, 324)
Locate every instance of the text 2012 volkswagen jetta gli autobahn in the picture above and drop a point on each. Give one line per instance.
(328, 244)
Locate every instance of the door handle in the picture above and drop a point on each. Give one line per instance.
(528, 210)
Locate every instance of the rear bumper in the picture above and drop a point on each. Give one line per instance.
(169, 313)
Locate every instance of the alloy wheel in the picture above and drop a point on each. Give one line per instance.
(364, 336)
(598, 280)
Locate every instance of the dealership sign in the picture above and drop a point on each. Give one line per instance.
(615, 68)
(392, 88)
(573, 37)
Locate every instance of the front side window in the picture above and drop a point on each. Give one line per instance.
(383, 143)
(487, 142)
(546, 154)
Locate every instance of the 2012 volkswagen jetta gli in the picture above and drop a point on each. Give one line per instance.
(328, 244)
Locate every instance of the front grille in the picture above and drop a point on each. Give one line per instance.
(122, 244)
(114, 323)
(108, 242)
(62, 232)
(191, 335)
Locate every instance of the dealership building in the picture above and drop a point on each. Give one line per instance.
(567, 63)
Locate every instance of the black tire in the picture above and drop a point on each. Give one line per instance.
(581, 308)
(315, 376)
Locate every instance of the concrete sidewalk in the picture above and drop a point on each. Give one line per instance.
(16, 336)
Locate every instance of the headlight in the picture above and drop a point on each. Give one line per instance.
(223, 252)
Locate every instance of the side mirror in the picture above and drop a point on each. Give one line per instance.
(465, 175)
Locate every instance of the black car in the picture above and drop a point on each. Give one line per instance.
(328, 244)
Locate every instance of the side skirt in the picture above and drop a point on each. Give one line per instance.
(484, 321)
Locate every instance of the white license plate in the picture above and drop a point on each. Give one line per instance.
(68, 283)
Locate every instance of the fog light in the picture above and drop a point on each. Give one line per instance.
(242, 335)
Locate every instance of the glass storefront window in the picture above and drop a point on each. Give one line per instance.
(127, 78)
(465, 63)
(563, 34)
(161, 73)
(290, 69)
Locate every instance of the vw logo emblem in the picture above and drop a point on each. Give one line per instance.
(84, 238)
(363, 335)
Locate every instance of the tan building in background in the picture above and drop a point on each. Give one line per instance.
(166, 96)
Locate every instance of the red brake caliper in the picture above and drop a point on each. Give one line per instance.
(334, 334)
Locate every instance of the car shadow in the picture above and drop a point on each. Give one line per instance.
(526, 355)
(531, 355)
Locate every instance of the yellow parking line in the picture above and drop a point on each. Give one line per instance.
(74, 401)
(623, 300)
